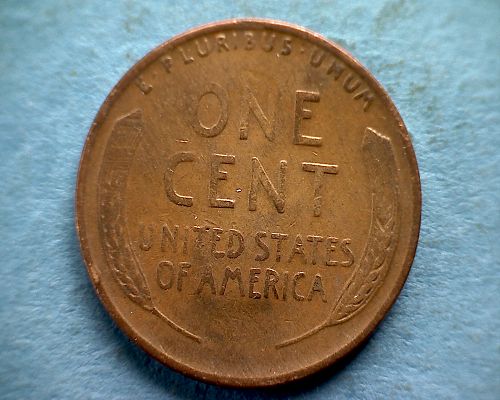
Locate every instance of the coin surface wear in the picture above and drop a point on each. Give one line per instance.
(248, 203)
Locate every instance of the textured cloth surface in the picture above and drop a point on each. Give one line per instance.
(440, 62)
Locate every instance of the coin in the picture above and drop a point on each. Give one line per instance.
(248, 203)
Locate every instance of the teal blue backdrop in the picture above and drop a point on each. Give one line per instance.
(440, 62)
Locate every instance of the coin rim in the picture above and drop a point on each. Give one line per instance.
(134, 335)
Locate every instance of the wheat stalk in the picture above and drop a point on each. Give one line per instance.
(369, 273)
(114, 233)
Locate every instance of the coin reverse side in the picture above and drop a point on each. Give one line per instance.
(248, 203)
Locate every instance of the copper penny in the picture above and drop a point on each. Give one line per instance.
(248, 203)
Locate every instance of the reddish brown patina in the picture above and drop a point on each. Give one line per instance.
(248, 203)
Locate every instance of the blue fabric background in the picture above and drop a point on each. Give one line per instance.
(440, 62)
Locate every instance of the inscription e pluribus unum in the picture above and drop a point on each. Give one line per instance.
(282, 47)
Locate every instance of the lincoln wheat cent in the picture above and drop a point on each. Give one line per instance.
(248, 203)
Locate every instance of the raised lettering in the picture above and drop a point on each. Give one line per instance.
(367, 97)
(147, 240)
(298, 248)
(262, 245)
(279, 237)
(183, 267)
(220, 39)
(301, 113)
(165, 274)
(167, 63)
(187, 58)
(336, 68)
(204, 50)
(317, 57)
(185, 240)
(270, 282)
(233, 275)
(236, 244)
(314, 252)
(207, 278)
(171, 237)
(218, 175)
(259, 175)
(250, 40)
(268, 41)
(319, 170)
(330, 248)
(253, 279)
(351, 84)
(285, 286)
(172, 163)
(144, 87)
(200, 230)
(317, 287)
(222, 97)
(287, 46)
(344, 246)
(216, 238)
(296, 277)
(250, 103)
